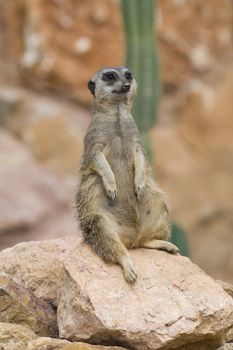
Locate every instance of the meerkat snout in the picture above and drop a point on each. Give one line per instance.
(126, 87)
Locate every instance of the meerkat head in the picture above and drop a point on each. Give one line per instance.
(113, 84)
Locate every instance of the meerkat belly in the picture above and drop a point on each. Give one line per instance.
(120, 156)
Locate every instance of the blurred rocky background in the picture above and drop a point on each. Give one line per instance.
(48, 52)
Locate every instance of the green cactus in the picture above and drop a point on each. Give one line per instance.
(141, 58)
(178, 237)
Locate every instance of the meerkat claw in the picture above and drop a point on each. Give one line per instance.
(171, 248)
(112, 194)
(139, 192)
(130, 274)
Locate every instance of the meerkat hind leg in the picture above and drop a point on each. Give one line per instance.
(161, 245)
(122, 258)
(105, 241)
(153, 225)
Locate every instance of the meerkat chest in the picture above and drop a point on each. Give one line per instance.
(121, 143)
(120, 134)
(118, 149)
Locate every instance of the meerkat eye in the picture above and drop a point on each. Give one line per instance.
(128, 76)
(109, 76)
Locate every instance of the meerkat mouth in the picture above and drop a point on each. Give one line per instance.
(122, 91)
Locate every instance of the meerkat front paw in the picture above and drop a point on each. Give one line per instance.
(111, 191)
(139, 188)
(112, 194)
(110, 188)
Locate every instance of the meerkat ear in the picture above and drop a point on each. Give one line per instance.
(91, 87)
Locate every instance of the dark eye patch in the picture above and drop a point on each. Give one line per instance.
(128, 76)
(110, 76)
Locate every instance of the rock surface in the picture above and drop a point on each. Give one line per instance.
(61, 344)
(83, 346)
(229, 290)
(17, 337)
(227, 287)
(38, 265)
(229, 336)
(14, 337)
(173, 303)
(20, 305)
(227, 347)
(45, 343)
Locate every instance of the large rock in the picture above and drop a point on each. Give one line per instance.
(229, 290)
(173, 304)
(20, 305)
(227, 347)
(38, 265)
(61, 344)
(227, 287)
(14, 337)
(83, 346)
(45, 343)
(17, 337)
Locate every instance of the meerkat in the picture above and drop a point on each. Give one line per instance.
(118, 203)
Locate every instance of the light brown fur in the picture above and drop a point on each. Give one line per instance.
(118, 203)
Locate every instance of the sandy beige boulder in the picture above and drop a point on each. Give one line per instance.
(229, 336)
(38, 265)
(229, 290)
(15, 337)
(61, 344)
(227, 347)
(45, 343)
(83, 346)
(227, 287)
(20, 305)
(173, 304)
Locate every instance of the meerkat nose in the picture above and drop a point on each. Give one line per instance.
(126, 86)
